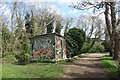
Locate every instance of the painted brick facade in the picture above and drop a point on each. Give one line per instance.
(48, 47)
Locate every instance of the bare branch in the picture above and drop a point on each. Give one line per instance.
(101, 13)
(118, 22)
(51, 21)
(80, 6)
(117, 11)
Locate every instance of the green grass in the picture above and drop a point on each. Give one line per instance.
(0, 68)
(37, 63)
(84, 54)
(9, 58)
(32, 71)
(109, 66)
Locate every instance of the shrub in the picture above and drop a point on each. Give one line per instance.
(74, 41)
(24, 56)
(107, 46)
(109, 65)
(10, 53)
(85, 47)
(97, 47)
(9, 58)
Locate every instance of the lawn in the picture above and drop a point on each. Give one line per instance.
(0, 69)
(109, 66)
(38, 70)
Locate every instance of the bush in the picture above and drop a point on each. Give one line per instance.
(9, 58)
(85, 47)
(97, 47)
(24, 56)
(74, 41)
(109, 65)
(107, 46)
(10, 53)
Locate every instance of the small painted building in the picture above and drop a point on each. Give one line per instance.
(51, 47)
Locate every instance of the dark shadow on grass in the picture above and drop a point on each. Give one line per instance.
(33, 63)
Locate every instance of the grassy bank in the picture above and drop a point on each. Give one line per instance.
(109, 66)
(38, 70)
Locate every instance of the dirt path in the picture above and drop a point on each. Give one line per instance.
(86, 67)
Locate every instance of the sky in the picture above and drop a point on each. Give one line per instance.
(62, 8)
(69, 11)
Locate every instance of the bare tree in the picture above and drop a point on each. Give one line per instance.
(110, 24)
(93, 27)
(68, 24)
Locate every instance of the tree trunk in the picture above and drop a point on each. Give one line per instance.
(119, 49)
(114, 30)
(109, 27)
(116, 48)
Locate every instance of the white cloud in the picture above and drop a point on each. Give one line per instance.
(5, 12)
(54, 8)
(99, 14)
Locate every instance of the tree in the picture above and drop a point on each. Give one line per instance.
(68, 24)
(107, 43)
(16, 23)
(112, 28)
(49, 23)
(93, 28)
(5, 39)
(44, 21)
(27, 24)
(59, 24)
(30, 24)
(19, 32)
(74, 40)
(110, 24)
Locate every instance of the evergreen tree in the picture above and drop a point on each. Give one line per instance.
(58, 27)
(30, 24)
(5, 39)
(49, 24)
